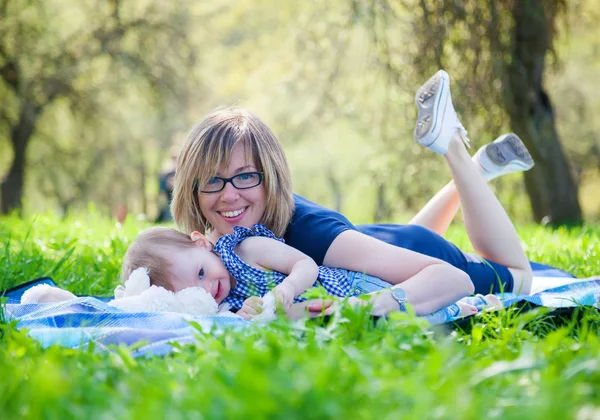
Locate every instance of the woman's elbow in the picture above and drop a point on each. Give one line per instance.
(469, 286)
(522, 280)
(459, 281)
(464, 282)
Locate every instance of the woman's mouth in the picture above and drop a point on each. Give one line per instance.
(233, 215)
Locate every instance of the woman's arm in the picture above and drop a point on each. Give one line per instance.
(426, 292)
(430, 284)
(301, 270)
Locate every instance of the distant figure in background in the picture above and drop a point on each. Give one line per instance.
(120, 212)
(166, 181)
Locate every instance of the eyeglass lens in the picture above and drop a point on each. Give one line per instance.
(240, 181)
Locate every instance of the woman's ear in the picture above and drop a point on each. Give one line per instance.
(200, 240)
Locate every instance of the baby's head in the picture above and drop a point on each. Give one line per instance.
(176, 261)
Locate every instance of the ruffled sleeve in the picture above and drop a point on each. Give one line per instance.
(251, 281)
(261, 230)
(228, 242)
(235, 265)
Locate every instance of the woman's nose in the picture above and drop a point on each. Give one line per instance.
(229, 193)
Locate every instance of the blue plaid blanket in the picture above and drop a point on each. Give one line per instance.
(78, 322)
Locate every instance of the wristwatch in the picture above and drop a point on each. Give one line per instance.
(399, 296)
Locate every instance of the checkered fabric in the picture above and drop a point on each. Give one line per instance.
(252, 281)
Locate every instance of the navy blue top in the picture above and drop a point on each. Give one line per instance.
(313, 228)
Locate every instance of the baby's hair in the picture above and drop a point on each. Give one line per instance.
(150, 250)
(208, 147)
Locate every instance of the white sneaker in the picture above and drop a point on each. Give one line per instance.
(437, 121)
(504, 155)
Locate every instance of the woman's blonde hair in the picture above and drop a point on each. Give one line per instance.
(150, 250)
(209, 146)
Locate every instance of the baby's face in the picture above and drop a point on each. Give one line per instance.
(193, 267)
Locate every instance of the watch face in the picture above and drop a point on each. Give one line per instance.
(399, 294)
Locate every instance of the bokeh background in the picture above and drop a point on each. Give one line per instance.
(96, 97)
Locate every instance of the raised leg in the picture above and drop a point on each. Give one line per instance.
(507, 154)
(439, 212)
(489, 228)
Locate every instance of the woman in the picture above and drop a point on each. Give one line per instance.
(232, 171)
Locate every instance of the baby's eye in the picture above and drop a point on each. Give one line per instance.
(201, 273)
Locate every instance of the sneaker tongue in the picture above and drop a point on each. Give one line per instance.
(451, 115)
(463, 135)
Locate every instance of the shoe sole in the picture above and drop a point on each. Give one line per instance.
(430, 98)
(509, 149)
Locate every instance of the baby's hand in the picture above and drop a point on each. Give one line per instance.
(251, 307)
(284, 295)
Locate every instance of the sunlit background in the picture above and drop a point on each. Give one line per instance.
(96, 96)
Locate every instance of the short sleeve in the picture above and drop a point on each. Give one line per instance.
(313, 228)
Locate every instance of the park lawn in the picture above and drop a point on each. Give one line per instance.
(506, 365)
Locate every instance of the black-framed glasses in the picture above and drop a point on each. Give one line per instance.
(241, 181)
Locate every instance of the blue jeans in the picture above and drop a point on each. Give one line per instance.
(361, 284)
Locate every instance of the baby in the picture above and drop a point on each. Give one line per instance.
(176, 262)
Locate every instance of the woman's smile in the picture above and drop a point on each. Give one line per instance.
(233, 215)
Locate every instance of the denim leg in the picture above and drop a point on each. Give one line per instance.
(361, 284)
(447, 314)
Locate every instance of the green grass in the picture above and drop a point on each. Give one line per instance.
(506, 365)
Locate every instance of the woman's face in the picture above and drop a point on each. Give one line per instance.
(232, 207)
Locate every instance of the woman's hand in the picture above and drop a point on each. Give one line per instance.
(251, 307)
(311, 309)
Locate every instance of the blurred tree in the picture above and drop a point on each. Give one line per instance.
(500, 49)
(82, 57)
(496, 52)
(340, 81)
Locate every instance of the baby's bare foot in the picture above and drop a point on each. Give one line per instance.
(493, 302)
(466, 309)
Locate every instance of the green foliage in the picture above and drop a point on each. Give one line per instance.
(82, 254)
(335, 81)
(90, 86)
(509, 365)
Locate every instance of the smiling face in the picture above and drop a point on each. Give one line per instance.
(199, 267)
(233, 207)
(208, 152)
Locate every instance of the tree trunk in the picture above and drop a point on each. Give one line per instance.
(337, 191)
(383, 211)
(11, 189)
(550, 184)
